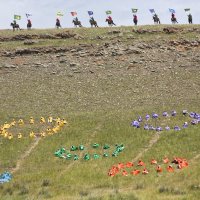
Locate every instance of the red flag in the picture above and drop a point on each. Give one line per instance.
(73, 13)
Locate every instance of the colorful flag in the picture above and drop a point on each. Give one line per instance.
(17, 17)
(28, 15)
(187, 9)
(90, 13)
(73, 13)
(152, 10)
(172, 10)
(59, 14)
(134, 10)
(108, 12)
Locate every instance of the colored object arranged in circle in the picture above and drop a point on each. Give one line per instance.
(193, 116)
(50, 126)
(67, 154)
(141, 168)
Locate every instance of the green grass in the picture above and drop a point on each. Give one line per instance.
(88, 179)
(99, 108)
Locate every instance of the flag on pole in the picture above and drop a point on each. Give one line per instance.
(187, 9)
(172, 10)
(28, 15)
(60, 14)
(108, 12)
(73, 13)
(17, 17)
(152, 10)
(134, 10)
(90, 13)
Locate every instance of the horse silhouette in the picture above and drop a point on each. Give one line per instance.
(156, 19)
(110, 22)
(58, 25)
(15, 26)
(93, 23)
(190, 19)
(29, 25)
(174, 20)
(135, 21)
(77, 23)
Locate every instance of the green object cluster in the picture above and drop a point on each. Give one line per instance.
(63, 153)
(118, 149)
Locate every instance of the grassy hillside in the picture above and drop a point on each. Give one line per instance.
(99, 93)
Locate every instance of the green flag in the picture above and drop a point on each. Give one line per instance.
(17, 17)
(187, 9)
(60, 14)
(108, 12)
(134, 10)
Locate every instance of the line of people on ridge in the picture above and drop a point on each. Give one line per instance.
(110, 21)
(17, 27)
(93, 22)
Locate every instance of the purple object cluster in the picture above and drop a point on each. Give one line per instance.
(195, 119)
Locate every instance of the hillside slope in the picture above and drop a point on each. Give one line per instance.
(100, 80)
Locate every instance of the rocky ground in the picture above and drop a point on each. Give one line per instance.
(147, 66)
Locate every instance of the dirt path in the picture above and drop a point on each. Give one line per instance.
(153, 141)
(195, 158)
(25, 155)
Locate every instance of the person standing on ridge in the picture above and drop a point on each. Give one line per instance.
(135, 19)
(190, 18)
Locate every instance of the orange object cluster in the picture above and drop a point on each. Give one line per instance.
(121, 168)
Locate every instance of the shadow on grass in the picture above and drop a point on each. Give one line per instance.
(169, 190)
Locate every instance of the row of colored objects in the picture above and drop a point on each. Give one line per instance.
(53, 126)
(121, 168)
(140, 122)
(67, 154)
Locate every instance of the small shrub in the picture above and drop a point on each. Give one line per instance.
(123, 197)
(194, 187)
(95, 198)
(175, 191)
(163, 189)
(45, 193)
(139, 187)
(45, 183)
(117, 191)
(8, 191)
(83, 193)
(16, 185)
(23, 191)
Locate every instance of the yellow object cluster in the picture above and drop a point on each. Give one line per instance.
(52, 126)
